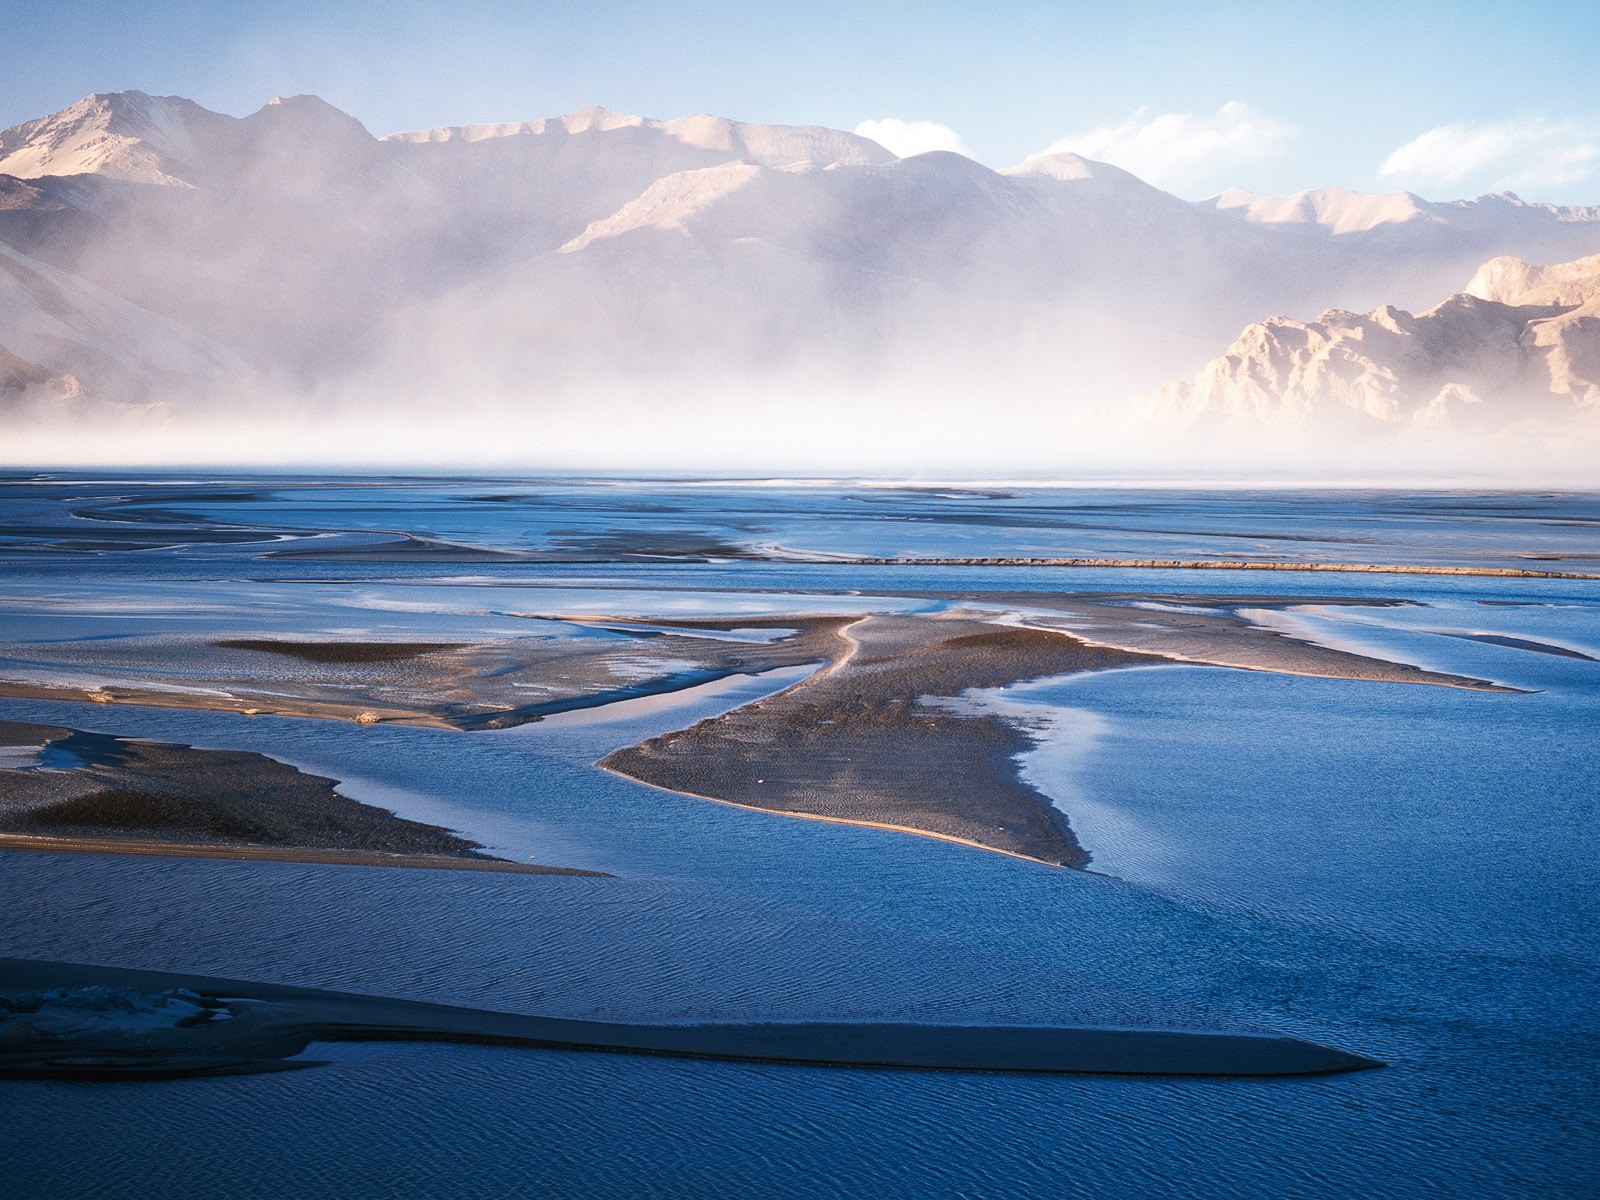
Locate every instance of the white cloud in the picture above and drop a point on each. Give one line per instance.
(1174, 150)
(906, 138)
(1504, 154)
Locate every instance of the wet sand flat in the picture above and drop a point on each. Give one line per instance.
(512, 681)
(457, 685)
(1224, 635)
(1215, 630)
(865, 743)
(93, 792)
(860, 742)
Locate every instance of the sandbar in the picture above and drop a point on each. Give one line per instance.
(865, 742)
(1516, 643)
(96, 793)
(858, 742)
(70, 1021)
(465, 685)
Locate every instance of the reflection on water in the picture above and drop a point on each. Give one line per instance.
(1398, 870)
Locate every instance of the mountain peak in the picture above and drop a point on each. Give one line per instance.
(304, 103)
(305, 115)
(597, 118)
(1336, 209)
(1511, 281)
(169, 141)
(776, 145)
(1066, 167)
(121, 135)
(766, 145)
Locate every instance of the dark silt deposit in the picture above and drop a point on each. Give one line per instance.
(66, 1021)
(336, 652)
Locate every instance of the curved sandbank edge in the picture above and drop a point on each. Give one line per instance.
(805, 816)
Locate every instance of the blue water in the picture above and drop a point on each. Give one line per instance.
(1397, 870)
(1539, 530)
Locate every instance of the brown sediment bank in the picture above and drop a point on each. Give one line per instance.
(71, 1021)
(859, 742)
(1201, 628)
(1217, 633)
(863, 742)
(455, 685)
(511, 681)
(94, 792)
(1215, 630)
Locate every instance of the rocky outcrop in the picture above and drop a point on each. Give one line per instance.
(1520, 342)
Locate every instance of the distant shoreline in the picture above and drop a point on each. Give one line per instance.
(1201, 564)
(414, 550)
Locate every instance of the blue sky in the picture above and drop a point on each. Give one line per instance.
(1445, 99)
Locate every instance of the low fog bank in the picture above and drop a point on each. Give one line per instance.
(922, 425)
(601, 292)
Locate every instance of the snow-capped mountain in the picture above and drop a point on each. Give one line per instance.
(168, 141)
(128, 136)
(156, 251)
(1343, 211)
(1334, 210)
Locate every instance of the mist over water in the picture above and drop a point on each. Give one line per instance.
(761, 428)
(605, 292)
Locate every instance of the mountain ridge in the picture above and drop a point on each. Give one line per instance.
(291, 257)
